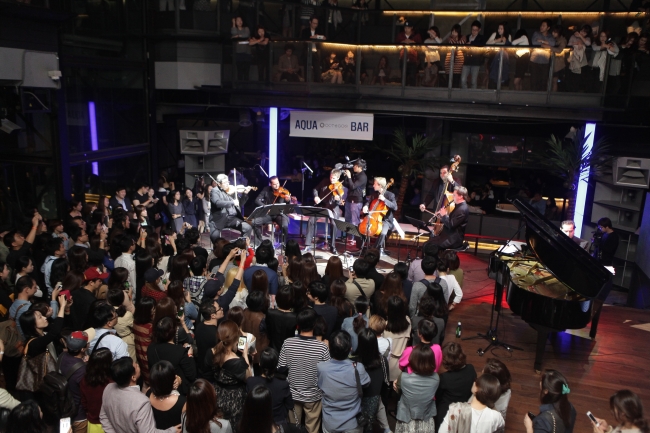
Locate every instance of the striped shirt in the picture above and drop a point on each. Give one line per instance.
(301, 355)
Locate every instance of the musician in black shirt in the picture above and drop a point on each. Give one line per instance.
(605, 242)
(356, 185)
(453, 233)
(388, 198)
(436, 190)
(326, 198)
(268, 196)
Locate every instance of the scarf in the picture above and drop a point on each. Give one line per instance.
(460, 418)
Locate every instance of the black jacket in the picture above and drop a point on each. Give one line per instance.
(390, 203)
(436, 191)
(472, 58)
(323, 190)
(266, 197)
(356, 187)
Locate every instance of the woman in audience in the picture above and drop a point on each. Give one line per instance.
(33, 324)
(453, 263)
(24, 266)
(119, 279)
(97, 376)
(253, 318)
(78, 258)
(229, 371)
(258, 412)
(479, 412)
(143, 333)
(176, 210)
(236, 314)
(602, 47)
(142, 218)
(308, 257)
(501, 36)
(281, 321)
(398, 329)
(455, 38)
(454, 293)
(59, 269)
(402, 269)
(499, 370)
(376, 366)
(165, 349)
(457, 382)
(202, 411)
(426, 331)
(166, 402)
(300, 298)
(417, 407)
(260, 283)
(436, 292)
(190, 204)
(280, 392)
(26, 418)
(291, 269)
(427, 310)
(333, 271)
(242, 292)
(556, 412)
(124, 309)
(143, 262)
(337, 299)
(523, 58)
(183, 301)
(381, 73)
(378, 325)
(392, 286)
(151, 289)
(353, 325)
(292, 249)
(628, 413)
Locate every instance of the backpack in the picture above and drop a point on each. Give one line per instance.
(54, 395)
(10, 335)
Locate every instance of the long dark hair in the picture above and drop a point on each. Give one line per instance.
(337, 298)
(269, 362)
(144, 310)
(396, 309)
(98, 369)
(118, 277)
(435, 291)
(257, 415)
(361, 305)
(627, 407)
(334, 268)
(201, 407)
(26, 418)
(58, 271)
(115, 298)
(309, 273)
(392, 286)
(368, 349)
(300, 299)
(555, 391)
(78, 259)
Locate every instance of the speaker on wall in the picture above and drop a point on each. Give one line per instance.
(632, 172)
(204, 141)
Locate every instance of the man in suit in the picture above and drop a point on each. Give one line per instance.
(124, 408)
(355, 182)
(388, 198)
(120, 200)
(434, 194)
(313, 33)
(453, 233)
(225, 209)
(267, 196)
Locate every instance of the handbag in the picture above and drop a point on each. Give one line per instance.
(362, 419)
(32, 371)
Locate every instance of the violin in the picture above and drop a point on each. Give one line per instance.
(239, 189)
(281, 192)
(336, 189)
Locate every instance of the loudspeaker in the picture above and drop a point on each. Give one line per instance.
(631, 172)
(204, 141)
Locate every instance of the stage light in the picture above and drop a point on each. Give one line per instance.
(94, 143)
(273, 141)
(583, 182)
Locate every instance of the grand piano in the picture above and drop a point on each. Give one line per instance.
(551, 282)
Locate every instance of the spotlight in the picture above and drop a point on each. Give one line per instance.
(9, 126)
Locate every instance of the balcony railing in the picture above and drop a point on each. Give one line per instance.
(511, 75)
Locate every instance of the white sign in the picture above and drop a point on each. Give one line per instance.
(321, 124)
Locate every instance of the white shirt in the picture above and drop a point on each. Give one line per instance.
(126, 261)
(452, 286)
(384, 344)
(483, 421)
(114, 343)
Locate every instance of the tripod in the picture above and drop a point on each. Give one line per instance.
(502, 279)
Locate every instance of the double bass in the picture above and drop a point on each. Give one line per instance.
(446, 200)
(372, 223)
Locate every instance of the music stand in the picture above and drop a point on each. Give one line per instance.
(318, 212)
(347, 228)
(420, 225)
(271, 210)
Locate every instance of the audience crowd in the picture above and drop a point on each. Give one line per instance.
(119, 325)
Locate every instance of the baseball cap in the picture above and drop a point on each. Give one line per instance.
(152, 274)
(94, 274)
(76, 341)
(408, 24)
(211, 289)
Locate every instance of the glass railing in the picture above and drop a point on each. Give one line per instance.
(458, 72)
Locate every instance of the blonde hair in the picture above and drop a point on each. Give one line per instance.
(377, 324)
(230, 277)
(381, 181)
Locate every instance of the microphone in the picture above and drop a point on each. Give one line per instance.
(308, 168)
(261, 168)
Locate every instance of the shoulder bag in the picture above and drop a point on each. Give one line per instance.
(32, 371)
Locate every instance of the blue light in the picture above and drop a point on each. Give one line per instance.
(94, 144)
(583, 182)
(273, 141)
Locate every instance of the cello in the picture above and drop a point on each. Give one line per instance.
(446, 200)
(372, 223)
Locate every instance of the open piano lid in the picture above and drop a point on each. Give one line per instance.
(571, 264)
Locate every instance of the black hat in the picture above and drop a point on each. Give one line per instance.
(408, 24)
(152, 274)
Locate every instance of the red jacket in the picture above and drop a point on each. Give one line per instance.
(413, 54)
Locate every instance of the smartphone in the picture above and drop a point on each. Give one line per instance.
(608, 41)
(241, 344)
(593, 418)
(531, 416)
(64, 425)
